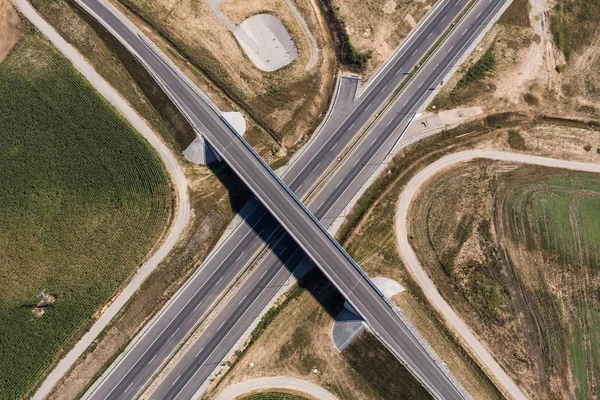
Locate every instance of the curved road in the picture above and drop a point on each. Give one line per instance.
(275, 382)
(412, 262)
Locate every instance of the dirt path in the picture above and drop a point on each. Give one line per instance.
(427, 285)
(276, 382)
(11, 28)
(182, 211)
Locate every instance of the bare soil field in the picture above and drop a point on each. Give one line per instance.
(544, 60)
(379, 26)
(11, 28)
(287, 102)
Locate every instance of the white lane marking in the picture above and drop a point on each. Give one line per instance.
(177, 330)
(176, 379)
(240, 256)
(197, 305)
(220, 326)
(220, 279)
(316, 166)
(222, 340)
(428, 36)
(149, 362)
(389, 123)
(202, 348)
(421, 84)
(128, 387)
(263, 274)
(478, 15)
(442, 20)
(242, 300)
(405, 103)
(385, 87)
(338, 184)
(351, 125)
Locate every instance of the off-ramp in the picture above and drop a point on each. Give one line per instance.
(412, 262)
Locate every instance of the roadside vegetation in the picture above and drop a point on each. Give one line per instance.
(83, 201)
(366, 33)
(296, 341)
(287, 103)
(386, 375)
(523, 267)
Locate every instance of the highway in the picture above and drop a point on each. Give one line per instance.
(196, 297)
(210, 348)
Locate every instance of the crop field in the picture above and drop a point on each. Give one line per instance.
(83, 201)
(521, 264)
(561, 216)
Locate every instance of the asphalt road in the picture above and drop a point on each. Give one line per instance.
(192, 370)
(196, 297)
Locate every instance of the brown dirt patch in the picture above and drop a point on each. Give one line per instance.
(11, 28)
(197, 34)
(528, 62)
(380, 25)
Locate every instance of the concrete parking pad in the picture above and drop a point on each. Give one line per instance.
(266, 41)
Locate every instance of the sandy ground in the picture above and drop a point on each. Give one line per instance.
(527, 62)
(182, 212)
(11, 28)
(411, 261)
(289, 101)
(380, 25)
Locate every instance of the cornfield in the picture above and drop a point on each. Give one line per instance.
(83, 200)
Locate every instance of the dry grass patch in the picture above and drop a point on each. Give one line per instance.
(379, 26)
(200, 37)
(546, 57)
(520, 264)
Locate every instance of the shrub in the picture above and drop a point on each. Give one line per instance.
(531, 99)
(515, 140)
(357, 58)
(587, 147)
(478, 70)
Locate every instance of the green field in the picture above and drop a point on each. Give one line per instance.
(561, 215)
(524, 270)
(83, 200)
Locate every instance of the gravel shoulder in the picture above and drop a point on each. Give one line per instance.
(427, 285)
